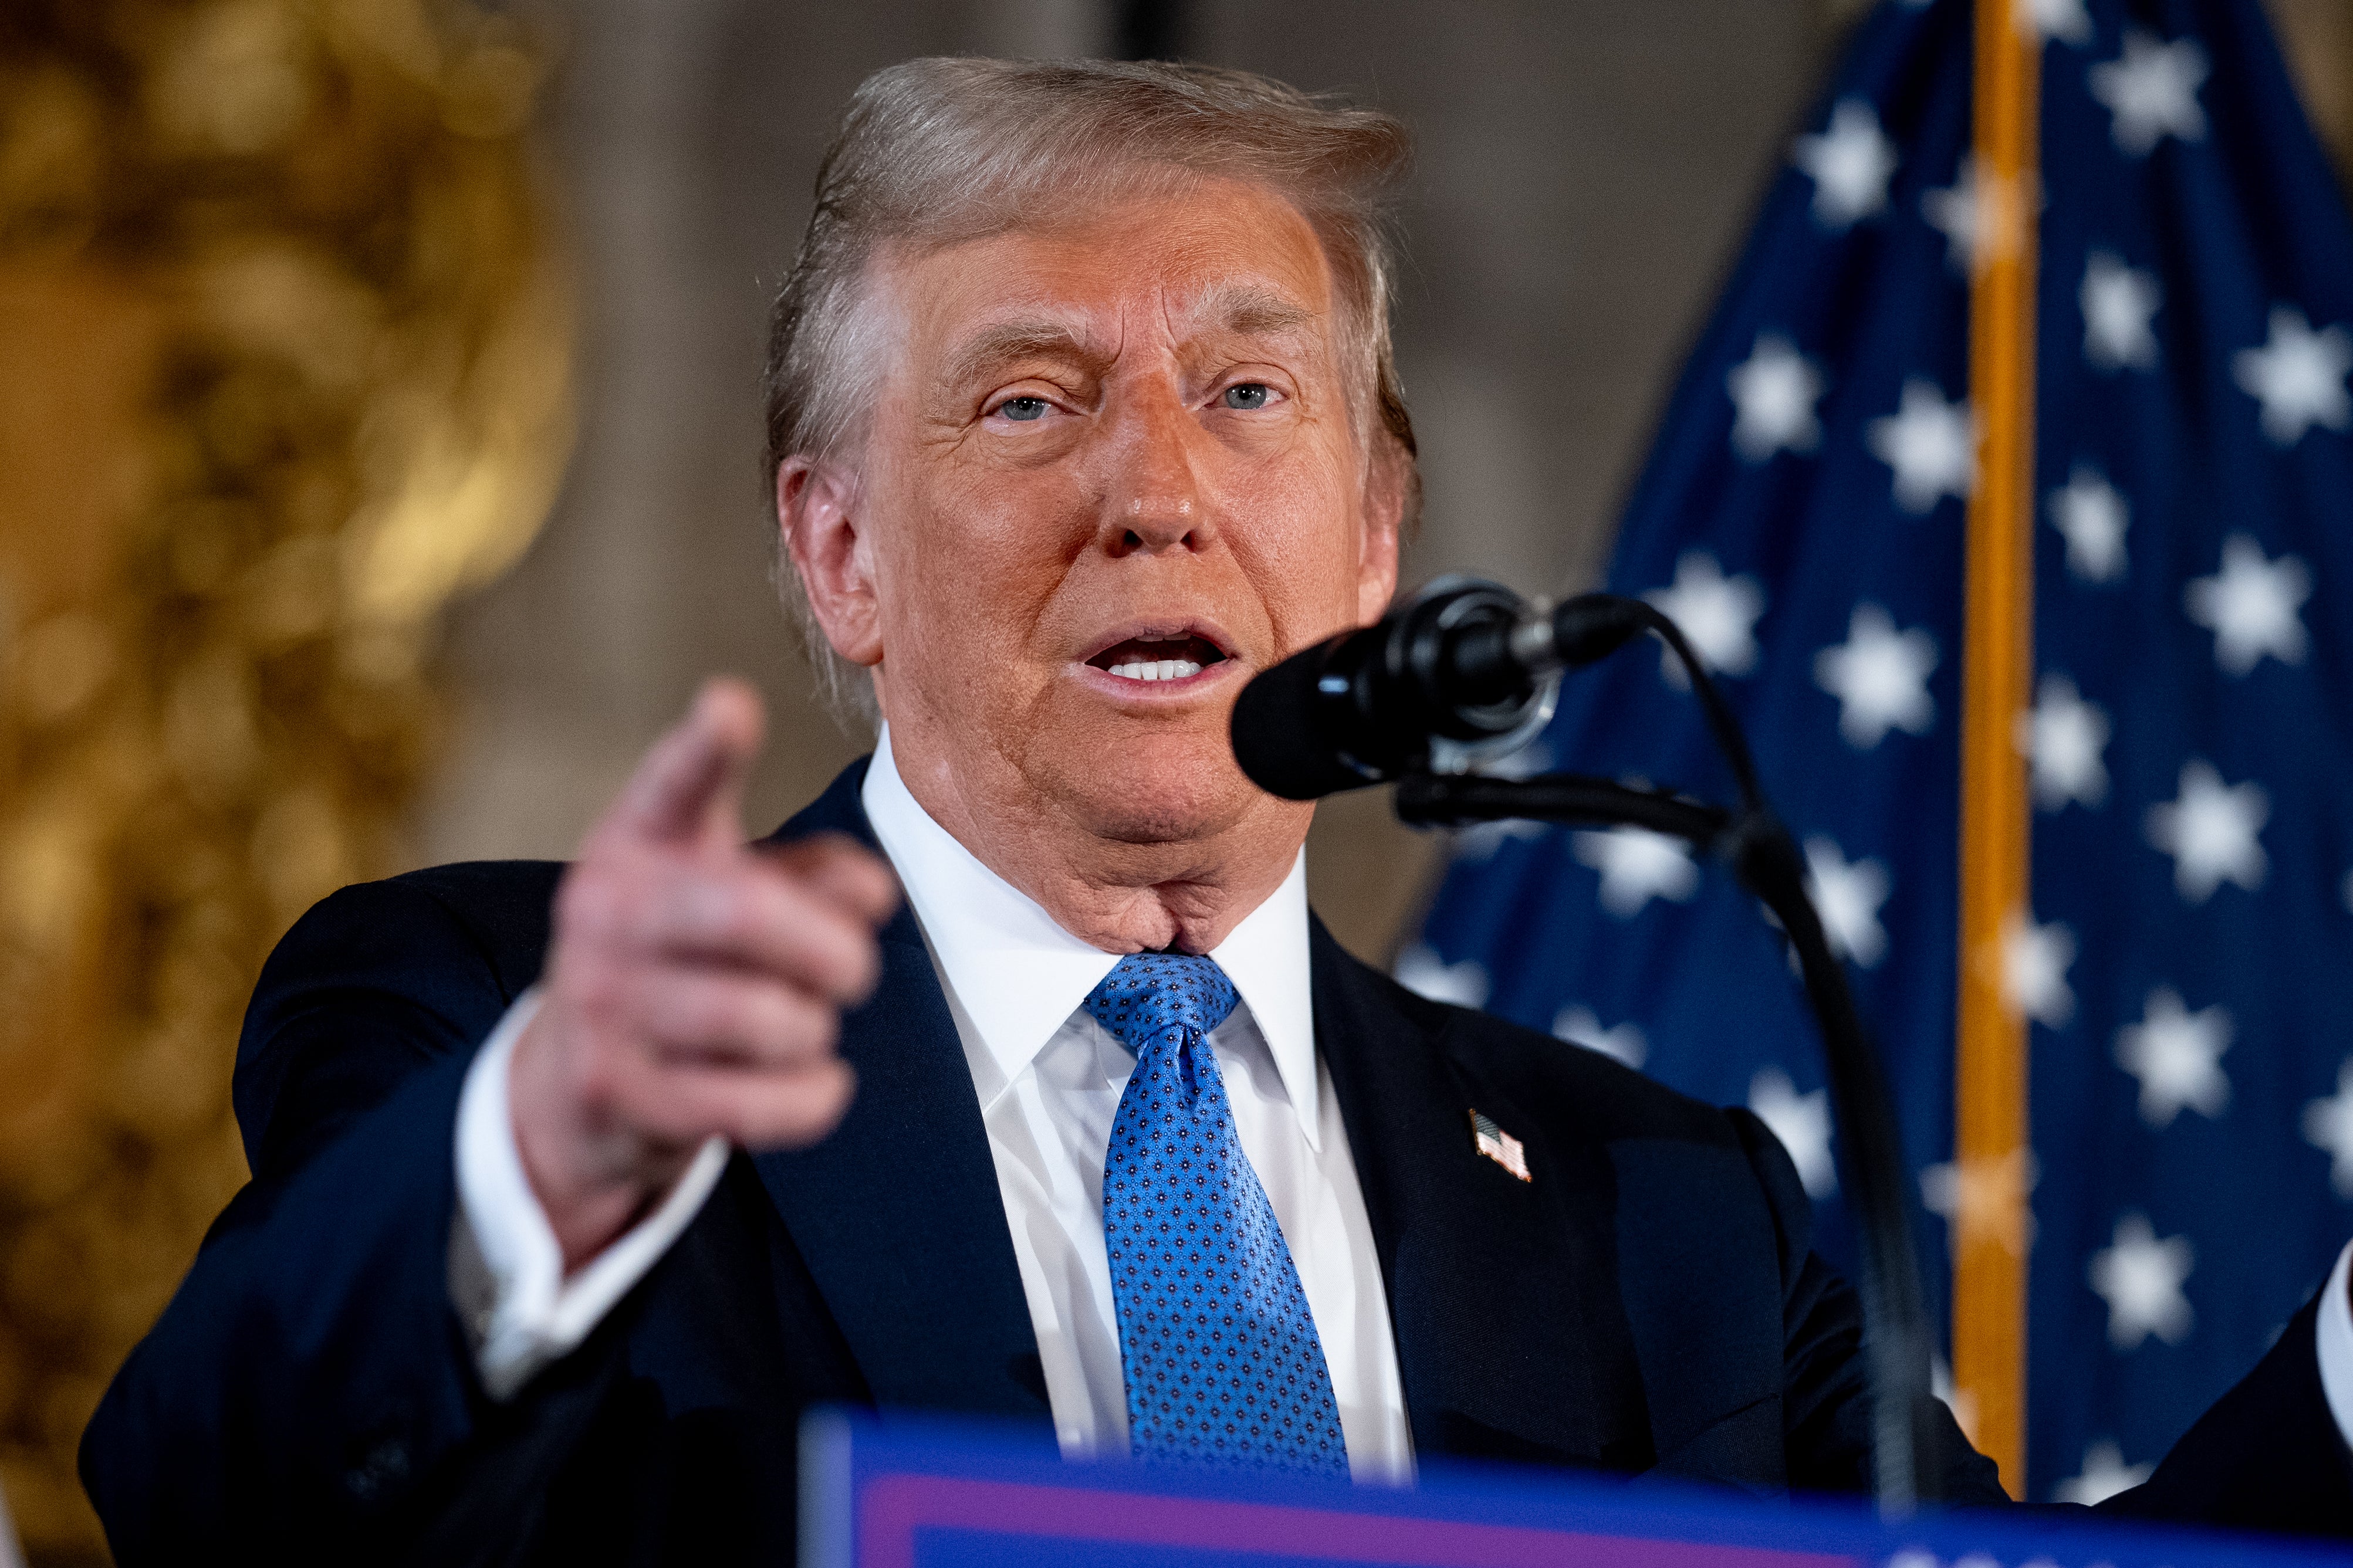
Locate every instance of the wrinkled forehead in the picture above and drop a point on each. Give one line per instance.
(1215, 259)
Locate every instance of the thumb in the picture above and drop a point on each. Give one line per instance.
(694, 776)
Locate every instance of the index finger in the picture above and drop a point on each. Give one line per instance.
(697, 771)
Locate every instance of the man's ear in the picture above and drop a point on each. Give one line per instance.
(818, 512)
(1388, 482)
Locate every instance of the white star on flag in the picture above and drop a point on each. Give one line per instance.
(2104, 1476)
(2065, 738)
(1482, 839)
(2212, 830)
(1802, 1123)
(2141, 1276)
(2298, 375)
(1847, 895)
(2064, 20)
(1580, 1026)
(1717, 613)
(1964, 1407)
(2119, 302)
(1952, 211)
(1851, 162)
(2178, 1056)
(1979, 215)
(2151, 90)
(1422, 972)
(1637, 866)
(2251, 605)
(1984, 1200)
(2035, 962)
(1775, 390)
(1931, 444)
(2328, 1125)
(1526, 763)
(2091, 514)
(1880, 677)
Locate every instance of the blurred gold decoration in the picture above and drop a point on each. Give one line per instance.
(284, 366)
(2316, 36)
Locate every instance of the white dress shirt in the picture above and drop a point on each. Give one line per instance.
(1048, 1078)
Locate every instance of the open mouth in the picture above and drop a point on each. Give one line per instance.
(1159, 659)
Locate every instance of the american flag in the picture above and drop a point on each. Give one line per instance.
(1803, 517)
(1499, 1146)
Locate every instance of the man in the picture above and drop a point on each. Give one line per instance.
(573, 1187)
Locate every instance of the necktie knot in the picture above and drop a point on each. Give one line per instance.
(1152, 997)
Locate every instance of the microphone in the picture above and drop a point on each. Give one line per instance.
(1463, 672)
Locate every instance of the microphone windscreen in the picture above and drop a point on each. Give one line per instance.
(1276, 738)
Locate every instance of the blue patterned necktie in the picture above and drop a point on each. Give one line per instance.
(1222, 1361)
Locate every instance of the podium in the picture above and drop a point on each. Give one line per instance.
(921, 1493)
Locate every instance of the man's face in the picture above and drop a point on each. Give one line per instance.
(1111, 475)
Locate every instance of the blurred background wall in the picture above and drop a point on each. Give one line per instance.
(285, 354)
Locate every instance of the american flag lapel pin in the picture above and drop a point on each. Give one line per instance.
(1499, 1146)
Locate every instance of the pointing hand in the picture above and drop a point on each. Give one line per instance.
(693, 984)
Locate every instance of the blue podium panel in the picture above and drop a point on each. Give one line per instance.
(921, 1494)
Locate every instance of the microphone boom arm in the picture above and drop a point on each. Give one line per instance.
(1446, 800)
(1760, 853)
(1465, 672)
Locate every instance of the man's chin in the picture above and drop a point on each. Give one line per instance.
(1163, 792)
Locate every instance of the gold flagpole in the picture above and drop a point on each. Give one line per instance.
(1992, 1155)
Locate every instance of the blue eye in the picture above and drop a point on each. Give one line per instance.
(1023, 408)
(1248, 395)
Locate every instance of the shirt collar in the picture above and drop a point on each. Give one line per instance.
(1018, 977)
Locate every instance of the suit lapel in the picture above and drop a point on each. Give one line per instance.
(1501, 1293)
(898, 1215)
(1488, 1288)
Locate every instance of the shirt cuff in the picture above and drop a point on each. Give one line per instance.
(506, 1267)
(2335, 1334)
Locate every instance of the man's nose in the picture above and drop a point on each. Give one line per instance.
(1155, 501)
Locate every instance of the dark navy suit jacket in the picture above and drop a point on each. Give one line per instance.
(1649, 1303)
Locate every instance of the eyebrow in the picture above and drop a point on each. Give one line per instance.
(1249, 309)
(1009, 341)
(1245, 310)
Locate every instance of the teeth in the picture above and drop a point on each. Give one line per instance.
(1157, 669)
